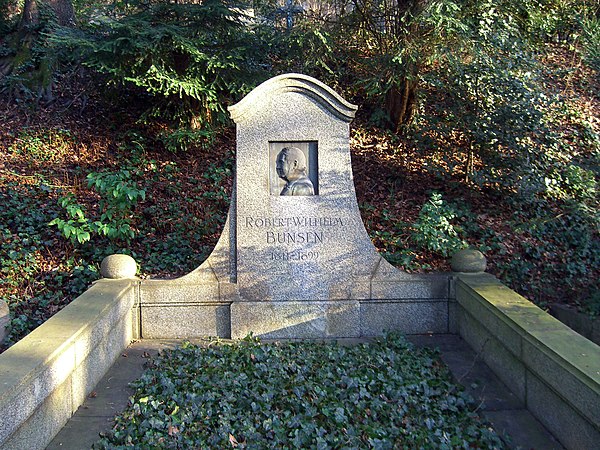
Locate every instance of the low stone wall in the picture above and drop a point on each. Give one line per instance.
(585, 325)
(47, 375)
(552, 369)
(180, 308)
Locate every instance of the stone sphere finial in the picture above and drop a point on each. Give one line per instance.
(468, 260)
(118, 266)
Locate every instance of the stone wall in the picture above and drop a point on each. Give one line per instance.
(47, 375)
(583, 323)
(551, 368)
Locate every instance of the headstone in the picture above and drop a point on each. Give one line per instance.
(297, 247)
(295, 260)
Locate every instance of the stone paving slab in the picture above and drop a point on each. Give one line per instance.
(108, 399)
(501, 408)
(524, 430)
(497, 404)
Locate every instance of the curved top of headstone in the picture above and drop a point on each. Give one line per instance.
(294, 82)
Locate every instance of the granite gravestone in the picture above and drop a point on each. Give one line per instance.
(294, 260)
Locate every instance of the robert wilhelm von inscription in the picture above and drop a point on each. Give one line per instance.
(294, 237)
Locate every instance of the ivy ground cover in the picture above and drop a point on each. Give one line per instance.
(384, 394)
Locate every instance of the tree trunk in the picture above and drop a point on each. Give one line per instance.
(62, 10)
(30, 16)
(400, 103)
(39, 77)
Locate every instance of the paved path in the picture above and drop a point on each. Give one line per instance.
(506, 413)
(497, 404)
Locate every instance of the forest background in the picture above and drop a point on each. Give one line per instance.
(478, 126)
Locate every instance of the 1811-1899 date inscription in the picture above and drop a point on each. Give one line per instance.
(296, 255)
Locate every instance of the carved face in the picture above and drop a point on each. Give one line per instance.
(283, 165)
(291, 162)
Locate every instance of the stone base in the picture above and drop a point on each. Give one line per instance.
(195, 306)
(292, 320)
(182, 321)
(337, 319)
(183, 308)
(407, 317)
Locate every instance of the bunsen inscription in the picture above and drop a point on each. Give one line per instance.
(299, 237)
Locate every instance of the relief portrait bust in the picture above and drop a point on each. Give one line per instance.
(291, 167)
